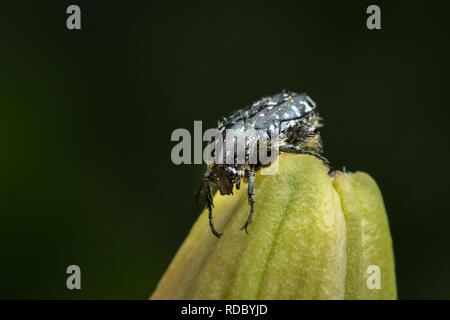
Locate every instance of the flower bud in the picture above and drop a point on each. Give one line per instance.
(312, 237)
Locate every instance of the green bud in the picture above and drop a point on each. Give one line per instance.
(368, 238)
(312, 237)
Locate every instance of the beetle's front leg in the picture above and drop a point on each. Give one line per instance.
(251, 200)
(209, 203)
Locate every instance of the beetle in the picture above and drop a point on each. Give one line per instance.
(291, 116)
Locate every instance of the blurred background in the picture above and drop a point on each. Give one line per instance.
(86, 118)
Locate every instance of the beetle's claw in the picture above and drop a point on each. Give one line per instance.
(245, 227)
(213, 229)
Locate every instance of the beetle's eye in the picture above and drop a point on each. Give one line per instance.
(313, 131)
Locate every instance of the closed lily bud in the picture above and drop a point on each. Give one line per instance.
(312, 237)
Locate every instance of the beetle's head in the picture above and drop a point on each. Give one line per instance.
(310, 135)
(224, 177)
(312, 140)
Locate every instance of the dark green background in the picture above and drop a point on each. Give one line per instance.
(86, 118)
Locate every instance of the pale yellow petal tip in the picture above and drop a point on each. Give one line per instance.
(309, 240)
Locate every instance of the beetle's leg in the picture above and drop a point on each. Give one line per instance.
(296, 149)
(251, 200)
(209, 204)
(238, 183)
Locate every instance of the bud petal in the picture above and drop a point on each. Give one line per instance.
(368, 237)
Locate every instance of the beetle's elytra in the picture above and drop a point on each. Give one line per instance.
(292, 117)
